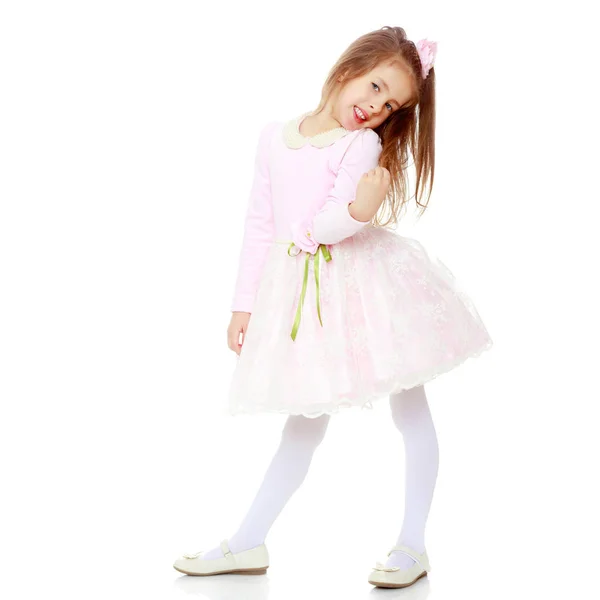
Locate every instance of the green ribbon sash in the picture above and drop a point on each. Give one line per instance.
(322, 249)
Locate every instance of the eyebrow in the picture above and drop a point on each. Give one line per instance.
(387, 87)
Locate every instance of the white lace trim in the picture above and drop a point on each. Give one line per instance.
(384, 390)
(294, 139)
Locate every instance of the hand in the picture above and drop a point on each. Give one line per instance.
(238, 324)
(371, 191)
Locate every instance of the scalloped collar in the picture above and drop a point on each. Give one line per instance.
(294, 139)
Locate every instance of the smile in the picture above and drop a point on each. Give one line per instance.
(360, 114)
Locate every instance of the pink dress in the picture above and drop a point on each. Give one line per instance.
(350, 312)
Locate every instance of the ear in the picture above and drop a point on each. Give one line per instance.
(342, 77)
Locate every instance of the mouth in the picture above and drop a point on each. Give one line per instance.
(360, 115)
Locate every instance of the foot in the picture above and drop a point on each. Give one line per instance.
(254, 561)
(398, 572)
(234, 545)
(399, 559)
(213, 553)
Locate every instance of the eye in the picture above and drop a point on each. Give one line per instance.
(391, 108)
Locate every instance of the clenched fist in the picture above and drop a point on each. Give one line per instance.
(238, 324)
(371, 191)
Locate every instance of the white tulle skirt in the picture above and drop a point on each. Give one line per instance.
(393, 317)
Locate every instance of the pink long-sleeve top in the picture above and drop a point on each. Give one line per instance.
(301, 190)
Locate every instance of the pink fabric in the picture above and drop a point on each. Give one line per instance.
(301, 195)
(393, 317)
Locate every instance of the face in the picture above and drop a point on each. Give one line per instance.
(377, 95)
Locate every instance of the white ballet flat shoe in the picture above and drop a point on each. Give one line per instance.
(395, 577)
(254, 561)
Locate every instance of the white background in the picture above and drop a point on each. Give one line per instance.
(127, 139)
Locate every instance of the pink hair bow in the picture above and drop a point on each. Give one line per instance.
(427, 51)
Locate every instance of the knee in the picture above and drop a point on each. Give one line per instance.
(408, 406)
(304, 430)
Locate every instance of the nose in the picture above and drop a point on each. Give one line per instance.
(374, 109)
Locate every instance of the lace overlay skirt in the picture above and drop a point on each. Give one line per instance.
(393, 317)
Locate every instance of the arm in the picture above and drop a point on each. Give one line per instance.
(333, 222)
(259, 228)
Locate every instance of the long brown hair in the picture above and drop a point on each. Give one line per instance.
(411, 129)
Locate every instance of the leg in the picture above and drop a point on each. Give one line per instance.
(300, 438)
(412, 417)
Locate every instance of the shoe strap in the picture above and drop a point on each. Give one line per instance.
(418, 558)
(225, 548)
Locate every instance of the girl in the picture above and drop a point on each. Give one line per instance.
(334, 309)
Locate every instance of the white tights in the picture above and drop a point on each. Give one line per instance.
(300, 438)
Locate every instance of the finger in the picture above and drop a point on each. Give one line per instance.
(383, 176)
(232, 340)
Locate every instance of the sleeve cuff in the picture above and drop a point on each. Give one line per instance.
(243, 303)
(328, 227)
(336, 224)
(351, 223)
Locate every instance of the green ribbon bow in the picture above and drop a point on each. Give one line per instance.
(327, 256)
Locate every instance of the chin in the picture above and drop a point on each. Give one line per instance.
(352, 125)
